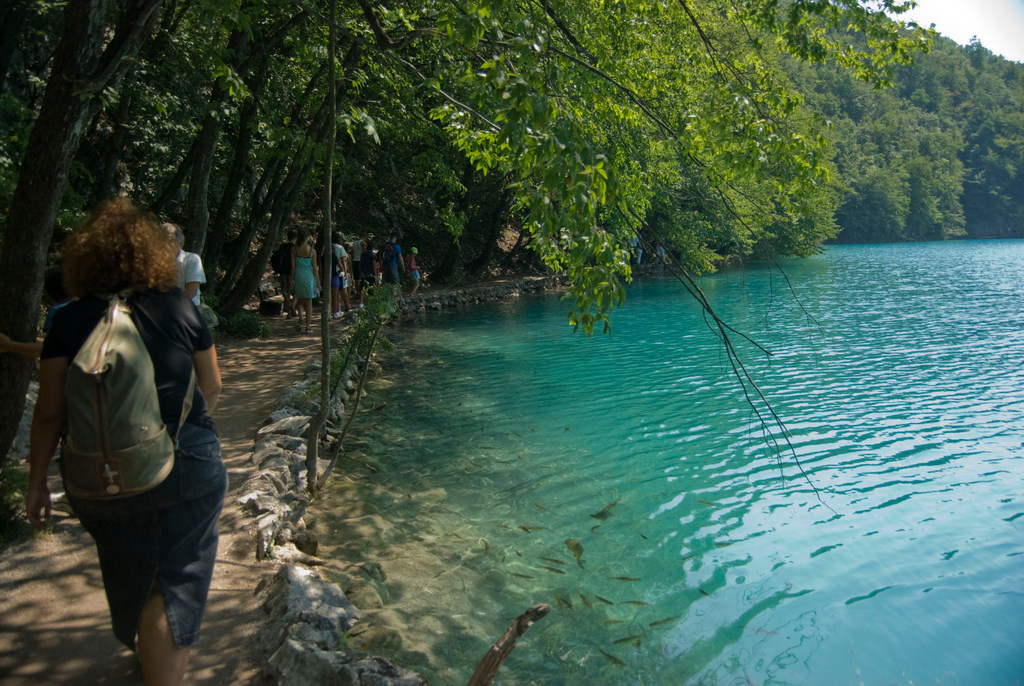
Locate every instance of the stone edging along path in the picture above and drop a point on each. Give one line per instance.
(308, 618)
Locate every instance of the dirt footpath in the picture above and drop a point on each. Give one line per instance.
(54, 623)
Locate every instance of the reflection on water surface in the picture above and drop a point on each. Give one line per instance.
(623, 480)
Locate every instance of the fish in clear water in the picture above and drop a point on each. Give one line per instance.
(766, 632)
(606, 512)
(658, 623)
(705, 502)
(594, 528)
(703, 592)
(527, 528)
(521, 576)
(628, 639)
(576, 549)
(552, 570)
(553, 561)
(562, 602)
(626, 578)
(611, 658)
(604, 600)
(638, 602)
(540, 507)
(585, 601)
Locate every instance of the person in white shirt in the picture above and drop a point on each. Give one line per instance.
(190, 265)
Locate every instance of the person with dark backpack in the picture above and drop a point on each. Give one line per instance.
(127, 379)
(391, 262)
(281, 263)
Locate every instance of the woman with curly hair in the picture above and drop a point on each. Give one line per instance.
(157, 548)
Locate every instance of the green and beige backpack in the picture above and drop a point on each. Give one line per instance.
(115, 442)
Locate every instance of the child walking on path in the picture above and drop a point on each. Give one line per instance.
(414, 270)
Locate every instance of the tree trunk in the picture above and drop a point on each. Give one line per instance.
(252, 57)
(284, 201)
(173, 186)
(198, 208)
(218, 233)
(493, 232)
(262, 197)
(79, 68)
(240, 247)
(445, 271)
(317, 421)
(114, 146)
(300, 168)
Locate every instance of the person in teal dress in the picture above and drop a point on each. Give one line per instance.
(306, 275)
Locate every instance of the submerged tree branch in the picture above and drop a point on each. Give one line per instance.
(487, 669)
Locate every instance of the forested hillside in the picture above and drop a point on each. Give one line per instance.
(939, 155)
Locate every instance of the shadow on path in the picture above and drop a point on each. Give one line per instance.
(54, 622)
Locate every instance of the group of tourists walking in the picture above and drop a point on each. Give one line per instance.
(124, 338)
(355, 266)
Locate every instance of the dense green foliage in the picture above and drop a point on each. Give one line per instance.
(939, 155)
(494, 134)
(474, 129)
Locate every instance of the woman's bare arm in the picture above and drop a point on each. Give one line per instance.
(208, 376)
(47, 423)
(18, 348)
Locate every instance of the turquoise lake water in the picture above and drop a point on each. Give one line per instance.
(897, 371)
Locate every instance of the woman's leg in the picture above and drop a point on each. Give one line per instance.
(163, 662)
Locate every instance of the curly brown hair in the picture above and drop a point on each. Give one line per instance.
(118, 246)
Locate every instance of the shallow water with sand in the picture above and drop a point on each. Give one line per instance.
(503, 461)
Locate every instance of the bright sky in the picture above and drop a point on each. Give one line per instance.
(998, 24)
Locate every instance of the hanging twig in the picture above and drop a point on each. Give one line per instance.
(336, 451)
(752, 393)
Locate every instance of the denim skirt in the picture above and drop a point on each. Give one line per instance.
(167, 536)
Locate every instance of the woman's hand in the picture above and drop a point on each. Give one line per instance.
(47, 422)
(38, 505)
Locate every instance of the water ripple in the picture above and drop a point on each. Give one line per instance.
(900, 526)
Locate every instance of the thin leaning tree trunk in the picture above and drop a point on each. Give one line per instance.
(336, 451)
(313, 440)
